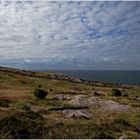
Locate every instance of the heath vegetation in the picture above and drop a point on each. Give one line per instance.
(42, 105)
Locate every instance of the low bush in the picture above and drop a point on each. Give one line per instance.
(116, 92)
(21, 125)
(125, 94)
(23, 82)
(23, 105)
(39, 86)
(4, 103)
(40, 93)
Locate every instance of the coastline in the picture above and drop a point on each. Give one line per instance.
(71, 103)
(53, 74)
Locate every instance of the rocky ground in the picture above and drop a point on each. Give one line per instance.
(73, 108)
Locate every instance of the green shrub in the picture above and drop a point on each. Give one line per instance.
(23, 105)
(40, 93)
(49, 90)
(125, 94)
(4, 103)
(21, 125)
(116, 92)
(39, 86)
(23, 82)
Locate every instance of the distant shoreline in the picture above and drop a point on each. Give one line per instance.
(129, 77)
(66, 75)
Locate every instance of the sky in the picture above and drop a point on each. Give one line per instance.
(84, 35)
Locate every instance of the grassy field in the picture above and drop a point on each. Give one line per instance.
(24, 116)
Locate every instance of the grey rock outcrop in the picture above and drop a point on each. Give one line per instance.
(112, 105)
(60, 97)
(78, 101)
(96, 102)
(77, 114)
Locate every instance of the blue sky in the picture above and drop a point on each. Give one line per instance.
(70, 35)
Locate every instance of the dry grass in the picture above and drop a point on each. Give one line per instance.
(16, 99)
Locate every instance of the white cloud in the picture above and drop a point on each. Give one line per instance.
(28, 60)
(68, 31)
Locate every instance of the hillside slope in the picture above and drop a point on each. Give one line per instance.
(72, 109)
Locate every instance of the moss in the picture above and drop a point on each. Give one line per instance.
(12, 127)
(21, 125)
(76, 129)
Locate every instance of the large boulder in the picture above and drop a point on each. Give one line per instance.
(77, 114)
(108, 105)
(112, 105)
(78, 101)
(96, 102)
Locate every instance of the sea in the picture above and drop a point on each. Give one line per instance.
(130, 77)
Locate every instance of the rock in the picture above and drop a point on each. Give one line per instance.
(76, 80)
(95, 93)
(78, 100)
(38, 109)
(60, 97)
(112, 105)
(124, 137)
(108, 105)
(77, 114)
(79, 96)
(138, 98)
(129, 135)
(99, 103)
(68, 97)
(94, 102)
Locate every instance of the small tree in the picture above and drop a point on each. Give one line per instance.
(116, 92)
(40, 93)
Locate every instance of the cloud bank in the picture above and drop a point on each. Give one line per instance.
(70, 35)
